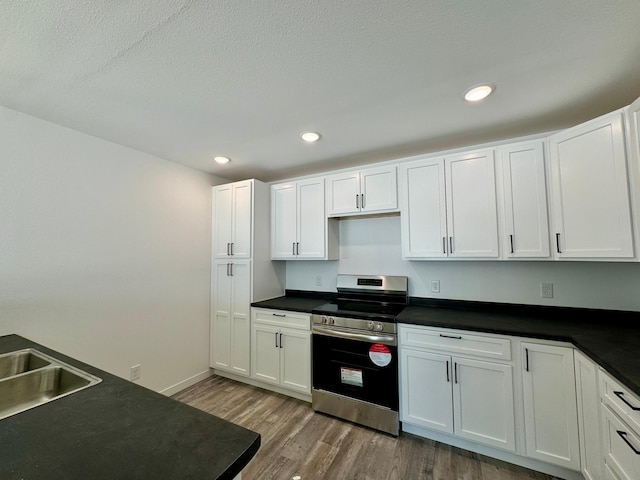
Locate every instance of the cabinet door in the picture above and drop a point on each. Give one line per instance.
(311, 233)
(343, 194)
(295, 360)
(551, 418)
(590, 202)
(240, 335)
(483, 403)
(222, 198)
(471, 205)
(221, 316)
(424, 213)
(379, 189)
(242, 211)
(526, 232)
(588, 417)
(265, 353)
(621, 444)
(283, 221)
(425, 382)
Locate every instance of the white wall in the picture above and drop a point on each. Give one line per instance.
(104, 251)
(372, 246)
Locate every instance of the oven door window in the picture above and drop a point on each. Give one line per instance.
(356, 369)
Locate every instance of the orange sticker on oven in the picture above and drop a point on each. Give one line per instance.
(380, 354)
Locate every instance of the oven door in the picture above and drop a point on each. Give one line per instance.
(357, 365)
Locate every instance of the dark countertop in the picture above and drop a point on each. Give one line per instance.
(610, 338)
(296, 301)
(118, 430)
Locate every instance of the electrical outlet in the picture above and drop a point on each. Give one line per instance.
(318, 280)
(546, 290)
(135, 372)
(435, 286)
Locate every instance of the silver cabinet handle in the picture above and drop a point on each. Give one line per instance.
(279, 314)
(297, 248)
(444, 245)
(526, 356)
(558, 243)
(511, 240)
(231, 248)
(231, 269)
(228, 249)
(362, 200)
(447, 371)
(456, 337)
(357, 201)
(281, 341)
(455, 372)
(228, 269)
(450, 244)
(293, 248)
(277, 340)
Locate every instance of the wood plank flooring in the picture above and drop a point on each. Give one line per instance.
(298, 441)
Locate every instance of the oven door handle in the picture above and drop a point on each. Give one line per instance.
(364, 337)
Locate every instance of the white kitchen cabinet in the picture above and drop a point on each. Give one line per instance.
(590, 200)
(232, 219)
(231, 318)
(237, 281)
(550, 411)
(281, 349)
(300, 229)
(588, 417)
(524, 201)
(621, 446)
(449, 207)
(469, 398)
(373, 190)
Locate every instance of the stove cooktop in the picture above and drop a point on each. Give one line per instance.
(370, 311)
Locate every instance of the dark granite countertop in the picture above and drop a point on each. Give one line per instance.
(610, 338)
(118, 430)
(297, 301)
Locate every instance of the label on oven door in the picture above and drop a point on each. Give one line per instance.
(351, 376)
(380, 354)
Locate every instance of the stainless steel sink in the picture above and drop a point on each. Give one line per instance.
(29, 378)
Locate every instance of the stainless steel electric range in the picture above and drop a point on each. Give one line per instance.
(355, 351)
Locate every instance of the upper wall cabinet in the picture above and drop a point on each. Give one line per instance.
(373, 190)
(299, 226)
(232, 219)
(590, 200)
(449, 207)
(524, 200)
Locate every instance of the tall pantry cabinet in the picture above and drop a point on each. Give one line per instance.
(241, 270)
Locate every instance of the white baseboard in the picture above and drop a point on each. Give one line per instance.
(266, 386)
(173, 389)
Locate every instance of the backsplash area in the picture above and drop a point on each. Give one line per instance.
(372, 246)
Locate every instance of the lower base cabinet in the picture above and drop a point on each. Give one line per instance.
(468, 398)
(281, 349)
(550, 410)
(471, 387)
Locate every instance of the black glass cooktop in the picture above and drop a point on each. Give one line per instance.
(366, 310)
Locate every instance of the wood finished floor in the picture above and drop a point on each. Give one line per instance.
(298, 441)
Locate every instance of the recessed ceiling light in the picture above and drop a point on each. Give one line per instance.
(310, 136)
(478, 92)
(222, 160)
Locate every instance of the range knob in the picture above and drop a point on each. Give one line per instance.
(370, 325)
(378, 327)
(323, 319)
(331, 321)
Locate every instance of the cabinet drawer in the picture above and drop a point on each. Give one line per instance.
(282, 318)
(621, 446)
(457, 342)
(620, 400)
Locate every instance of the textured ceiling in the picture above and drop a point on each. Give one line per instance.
(188, 80)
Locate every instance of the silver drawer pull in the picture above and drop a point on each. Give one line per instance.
(279, 314)
(457, 337)
(620, 395)
(623, 436)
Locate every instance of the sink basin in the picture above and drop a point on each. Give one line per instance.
(29, 378)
